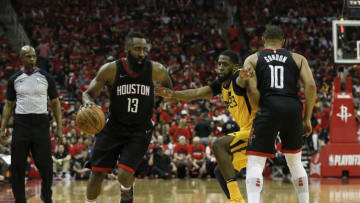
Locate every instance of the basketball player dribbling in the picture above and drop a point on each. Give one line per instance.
(277, 74)
(128, 129)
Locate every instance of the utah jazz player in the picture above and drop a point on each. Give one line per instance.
(240, 98)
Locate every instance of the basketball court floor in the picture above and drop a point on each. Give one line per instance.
(192, 191)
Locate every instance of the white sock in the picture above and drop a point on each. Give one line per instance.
(253, 188)
(254, 179)
(125, 188)
(302, 189)
(299, 176)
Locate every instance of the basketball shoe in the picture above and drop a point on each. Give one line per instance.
(236, 201)
(127, 196)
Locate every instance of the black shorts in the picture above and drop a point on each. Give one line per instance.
(281, 115)
(112, 145)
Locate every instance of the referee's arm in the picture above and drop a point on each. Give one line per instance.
(9, 105)
(56, 107)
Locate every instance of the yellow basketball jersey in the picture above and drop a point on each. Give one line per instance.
(238, 103)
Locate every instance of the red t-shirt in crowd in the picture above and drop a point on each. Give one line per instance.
(165, 117)
(181, 132)
(198, 151)
(182, 149)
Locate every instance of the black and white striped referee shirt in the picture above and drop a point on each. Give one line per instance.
(31, 91)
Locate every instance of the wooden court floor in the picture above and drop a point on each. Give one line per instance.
(193, 191)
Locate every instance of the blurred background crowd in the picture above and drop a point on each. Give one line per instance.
(73, 38)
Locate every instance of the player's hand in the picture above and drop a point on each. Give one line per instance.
(307, 128)
(246, 73)
(2, 133)
(164, 92)
(87, 105)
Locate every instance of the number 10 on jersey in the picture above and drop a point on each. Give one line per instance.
(133, 104)
(277, 76)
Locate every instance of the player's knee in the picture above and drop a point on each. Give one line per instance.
(293, 159)
(217, 171)
(295, 165)
(125, 177)
(255, 166)
(97, 177)
(219, 145)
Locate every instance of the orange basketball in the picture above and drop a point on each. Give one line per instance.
(90, 120)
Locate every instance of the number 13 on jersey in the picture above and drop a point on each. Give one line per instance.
(277, 76)
(133, 104)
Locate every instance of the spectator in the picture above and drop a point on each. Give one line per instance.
(4, 168)
(210, 158)
(161, 163)
(82, 172)
(181, 157)
(182, 130)
(61, 159)
(203, 129)
(197, 160)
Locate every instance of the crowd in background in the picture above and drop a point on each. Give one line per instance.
(73, 38)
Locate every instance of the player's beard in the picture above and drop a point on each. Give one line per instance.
(135, 65)
(225, 77)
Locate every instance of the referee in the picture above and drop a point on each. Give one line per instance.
(29, 89)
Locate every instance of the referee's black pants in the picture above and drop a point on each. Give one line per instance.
(31, 134)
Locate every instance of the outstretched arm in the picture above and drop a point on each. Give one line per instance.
(161, 76)
(187, 95)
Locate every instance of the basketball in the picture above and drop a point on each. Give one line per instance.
(90, 120)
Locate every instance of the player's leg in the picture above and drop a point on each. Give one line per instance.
(20, 147)
(131, 156)
(222, 152)
(41, 151)
(222, 181)
(299, 176)
(292, 139)
(94, 185)
(103, 160)
(261, 146)
(254, 178)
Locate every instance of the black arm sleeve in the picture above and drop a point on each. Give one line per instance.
(10, 92)
(216, 87)
(52, 92)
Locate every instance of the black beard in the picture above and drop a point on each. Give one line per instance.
(134, 64)
(225, 77)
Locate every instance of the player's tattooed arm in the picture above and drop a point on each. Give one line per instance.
(161, 75)
(247, 72)
(247, 78)
(105, 75)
